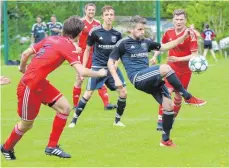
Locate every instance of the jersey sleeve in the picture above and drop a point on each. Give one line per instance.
(91, 38)
(36, 47)
(153, 45)
(117, 51)
(193, 42)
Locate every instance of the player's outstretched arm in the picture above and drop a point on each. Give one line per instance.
(113, 70)
(86, 55)
(24, 58)
(174, 43)
(85, 72)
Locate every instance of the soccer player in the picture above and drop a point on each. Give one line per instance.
(39, 31)
(178, 58)
(34, 89)
(103, 38)
(208, 35)
(90, 23)
(133, 51)
(54, 26)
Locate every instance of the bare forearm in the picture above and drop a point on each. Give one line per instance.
(85, 56)
(113, 68)
(188, 57)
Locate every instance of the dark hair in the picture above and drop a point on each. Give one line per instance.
(72, 26)
(179, 12)
(107, 7)
(135, 20)
(207, 26)
(89, 4)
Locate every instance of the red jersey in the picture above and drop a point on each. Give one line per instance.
(184, 49)
(85, 32)
(50, 53)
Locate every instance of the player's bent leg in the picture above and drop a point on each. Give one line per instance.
(62, 108)
(165, 70)
(205, 52)
(168, 116)
(82, 103)
(20, 128)
(77, 90)
(121, 104)
(213, 54)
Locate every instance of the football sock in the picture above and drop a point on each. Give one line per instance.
(160, 113)
(57, 128)
(120, 109)
(76, 95)
(14, 137)
(104, 95)
(80, 107)
(177, 105)
(167, 124)
(175, 82)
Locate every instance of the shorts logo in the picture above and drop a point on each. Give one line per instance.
(113, 39)
(144, 46)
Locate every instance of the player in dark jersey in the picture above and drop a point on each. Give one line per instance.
(133, 51)
(34, 90)
(39, 31)
(208, 35)
(54, 27)
(103, 38)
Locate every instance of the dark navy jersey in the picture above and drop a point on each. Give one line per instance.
(51, 26)
(134, 54)
(103, 41)
(38, 32)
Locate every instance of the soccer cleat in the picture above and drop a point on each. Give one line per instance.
(168, 143)
(110, 107)
(159, 125)
(195, 101)
(56, 152)
(119, 124)
(9, 155)
(73, 123)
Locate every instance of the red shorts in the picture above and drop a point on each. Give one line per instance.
(184, 79)
(29, 100)
(89, 62)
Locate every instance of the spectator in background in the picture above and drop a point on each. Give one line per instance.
(39, 31)
(208, 35)
(54, 27)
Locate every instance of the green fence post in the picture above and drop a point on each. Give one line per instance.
(158, 19)
(6, 42)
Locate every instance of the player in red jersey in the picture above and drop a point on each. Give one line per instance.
(178, 58)
(34, 89)
(89, 22)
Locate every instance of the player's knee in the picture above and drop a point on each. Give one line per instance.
(25, 125)
(123, 93)
(78, 83)
(66, 108)
(168, 106)
(164, 69)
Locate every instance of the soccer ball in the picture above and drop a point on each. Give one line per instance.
(198, 64)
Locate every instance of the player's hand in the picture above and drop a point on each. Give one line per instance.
(78, 49)
(187, 32)
(103, 72)
(55, 29)
(22, 69)
(173, 59)
(153, 60)
(118, 83)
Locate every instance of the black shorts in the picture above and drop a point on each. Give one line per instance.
(207, 44)
(150, 81)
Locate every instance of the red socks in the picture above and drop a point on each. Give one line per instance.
(104, 95)
(14, 137)
(57, 128)
(76, 95)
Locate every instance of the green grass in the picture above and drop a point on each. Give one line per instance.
(201, 134)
